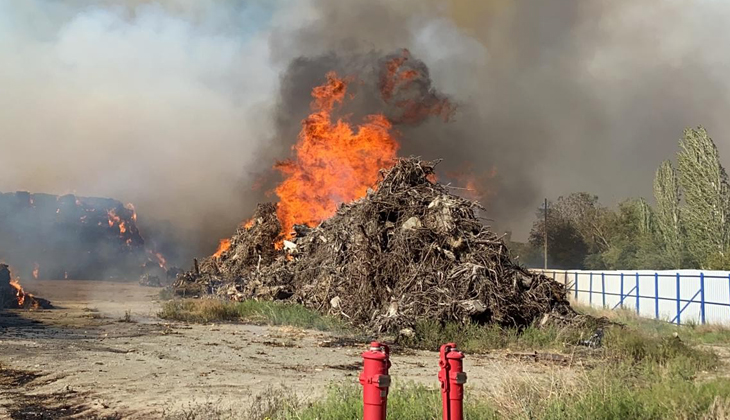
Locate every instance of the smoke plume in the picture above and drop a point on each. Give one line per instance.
(557, 97)
(180, 106)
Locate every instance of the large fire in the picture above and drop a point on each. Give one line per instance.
(334, 162)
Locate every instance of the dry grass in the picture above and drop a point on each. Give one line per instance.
(250, 311)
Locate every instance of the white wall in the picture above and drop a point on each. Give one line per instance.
(603, 288)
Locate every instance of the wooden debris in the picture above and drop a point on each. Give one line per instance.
(408, 251)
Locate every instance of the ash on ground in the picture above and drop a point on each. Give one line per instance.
(410, 250)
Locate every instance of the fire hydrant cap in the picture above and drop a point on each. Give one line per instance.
(454, 355)
(377, 351)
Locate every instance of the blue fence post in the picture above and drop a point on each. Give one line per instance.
(656, 295)
(679, 300)
(702, 297)
(590, 290)
(575, 284)
(637, 294)
(622, 290)
(603, 288)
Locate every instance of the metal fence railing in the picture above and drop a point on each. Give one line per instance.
(681, 297)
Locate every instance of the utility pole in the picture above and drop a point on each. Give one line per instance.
(545, 238)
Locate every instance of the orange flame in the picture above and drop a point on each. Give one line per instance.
(334, 162)
(161, 260)
(130, 207)
(474, 186)
(19, 293)
(248, 224)
(114, 219)
(36, 270)
(224, 246)
(400, 76)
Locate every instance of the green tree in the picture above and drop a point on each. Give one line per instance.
(707, 197)
(634, 243)
(566, 248)
(668, 220)
(592, 220)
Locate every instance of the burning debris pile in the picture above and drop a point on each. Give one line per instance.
(409, 250)
(55, 237)
(12, 295)
(252, 249)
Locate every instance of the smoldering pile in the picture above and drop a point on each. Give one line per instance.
(408, 251)
(85, 238)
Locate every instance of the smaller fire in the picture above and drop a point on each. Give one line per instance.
(130, 207)
(114, 219)
(19, 298)
(161, 260)
(248, 224)
(19, 293)
(474, 186)
(224, 246)
(36, 270)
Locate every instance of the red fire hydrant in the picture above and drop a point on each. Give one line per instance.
(375, 381)
(452, 378)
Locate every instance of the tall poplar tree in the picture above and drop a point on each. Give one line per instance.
(668, 220)
(704, 183)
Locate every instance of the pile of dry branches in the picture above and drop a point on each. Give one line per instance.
(409, 250)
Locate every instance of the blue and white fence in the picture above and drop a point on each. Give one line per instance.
(684, 296)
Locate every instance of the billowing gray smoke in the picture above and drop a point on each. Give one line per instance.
(178, 106)
(557, 96)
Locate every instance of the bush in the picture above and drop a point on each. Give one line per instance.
(474, 338)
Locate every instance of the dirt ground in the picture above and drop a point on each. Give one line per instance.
(103, 353)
